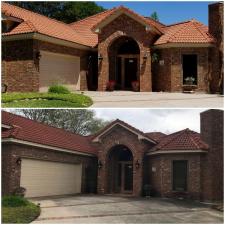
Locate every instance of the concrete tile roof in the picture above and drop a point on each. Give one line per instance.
(190, 31)
(182, 140)
(39, 133)
(34, 22)
(81, 32)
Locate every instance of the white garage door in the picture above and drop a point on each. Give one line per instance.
(59, 69)
(43, 178)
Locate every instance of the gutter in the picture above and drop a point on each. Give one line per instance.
(28, 143)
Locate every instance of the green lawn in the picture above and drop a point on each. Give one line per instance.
(45, 100)
(18, 210)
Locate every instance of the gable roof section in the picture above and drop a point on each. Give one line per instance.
(156, 136)
(34, 22)
(184, 140)
(84, 26)
(121, 123)
(190, 31)
(123, 10)
(24, 129)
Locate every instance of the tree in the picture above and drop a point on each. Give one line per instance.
(80, 121)
(64, 11)
(154, 16)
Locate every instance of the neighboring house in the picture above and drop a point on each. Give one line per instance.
(118, 159)
(118, 45)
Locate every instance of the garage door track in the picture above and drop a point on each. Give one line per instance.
(111, 209)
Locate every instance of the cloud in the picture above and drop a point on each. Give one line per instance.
(148, 120)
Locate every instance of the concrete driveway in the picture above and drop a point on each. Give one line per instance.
(110, 209)
(131, 99)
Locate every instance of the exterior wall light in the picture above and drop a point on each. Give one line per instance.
(100, 57)
(145, 56)
(38, 55)
(99, 164)
(4, 88)
(18, 161)
(137, 164)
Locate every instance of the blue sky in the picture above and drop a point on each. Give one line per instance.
(168, 12)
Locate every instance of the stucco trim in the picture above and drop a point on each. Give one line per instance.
(176, 152)
(46, 38)
(17, 141)
(183, 45)
(140, 137)
(6, 126)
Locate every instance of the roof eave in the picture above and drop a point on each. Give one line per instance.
(46, 38)
(159, 152)
(29, 143)
(187, 44)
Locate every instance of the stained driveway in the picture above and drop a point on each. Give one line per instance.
(111, 209)
(123, 99)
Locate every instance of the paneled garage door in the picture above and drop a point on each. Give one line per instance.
(59, 69)
(44, 178)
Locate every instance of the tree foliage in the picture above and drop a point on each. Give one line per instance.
(155, 16)
(67, 12)
(80, 121)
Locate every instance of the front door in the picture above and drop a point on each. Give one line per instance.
(130, 72)
(125, 177)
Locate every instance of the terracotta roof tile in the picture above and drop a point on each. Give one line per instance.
(42, 25)
(32, 131)
(181, 140)
(81, 32)
(190, 31)
(156, 136)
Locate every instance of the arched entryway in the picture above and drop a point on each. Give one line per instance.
(120, 170)
(124, 62)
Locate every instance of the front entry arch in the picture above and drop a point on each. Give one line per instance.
(120, 170)
(124, 62)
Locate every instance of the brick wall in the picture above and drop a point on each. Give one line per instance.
(20, 67)
(212, 163)
(20, 70)
(162, 178)
(11, 171)
(125, 26)
(216, 29)
(121, 136)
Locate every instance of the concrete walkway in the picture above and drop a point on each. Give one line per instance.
(109, 209)
(131, 99)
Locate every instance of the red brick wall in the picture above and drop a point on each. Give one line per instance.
(212, 163)
(121, 136)
(162, 178)
(11, 171)
(216, 29)
(20, 68)
(125, 26)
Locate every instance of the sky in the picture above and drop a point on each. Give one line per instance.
(168, 12)
(150, 120)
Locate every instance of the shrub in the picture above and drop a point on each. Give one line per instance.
(14, 201)
(58, 89)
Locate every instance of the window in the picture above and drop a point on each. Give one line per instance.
(190, 69)
(180, 175)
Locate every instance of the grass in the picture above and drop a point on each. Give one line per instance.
(18, 210)
(45, 100)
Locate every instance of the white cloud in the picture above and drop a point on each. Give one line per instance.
(163, 120)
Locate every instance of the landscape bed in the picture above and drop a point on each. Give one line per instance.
(45, 100)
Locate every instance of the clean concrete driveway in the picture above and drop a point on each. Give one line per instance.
(110, 209)
(131, 99)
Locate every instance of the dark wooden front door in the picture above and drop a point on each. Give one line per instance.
(180, 175)
(125, 177)
(130, 71)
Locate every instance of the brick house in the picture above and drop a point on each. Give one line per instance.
(117, 45)
(118, 159)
